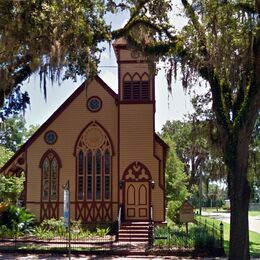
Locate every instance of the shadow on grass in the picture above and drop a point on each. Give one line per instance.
(253, 247)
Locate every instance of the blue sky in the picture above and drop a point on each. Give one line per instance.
(168, 106)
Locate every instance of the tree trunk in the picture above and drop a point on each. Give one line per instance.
(239, 235)
(239, 194)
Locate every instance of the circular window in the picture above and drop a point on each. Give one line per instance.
(50, 137)
(94, 104)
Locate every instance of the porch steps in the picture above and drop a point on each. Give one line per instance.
(136, 232)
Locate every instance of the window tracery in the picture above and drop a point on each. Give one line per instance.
(95, 147)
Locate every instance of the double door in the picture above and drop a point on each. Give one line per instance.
(136, 200)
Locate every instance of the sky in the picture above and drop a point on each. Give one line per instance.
(168, 106)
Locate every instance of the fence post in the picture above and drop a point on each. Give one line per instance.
(221, 236)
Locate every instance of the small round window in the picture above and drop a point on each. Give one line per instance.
(94, 104)
(50, 137)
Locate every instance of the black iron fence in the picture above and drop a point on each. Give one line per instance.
(58, 243)
(201, 234)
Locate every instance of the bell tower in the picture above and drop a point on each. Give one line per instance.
(136, 84)
(136, 108)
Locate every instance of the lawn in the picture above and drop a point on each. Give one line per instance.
(255, 213)
(254, 237)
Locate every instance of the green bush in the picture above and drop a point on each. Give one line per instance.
(54, 225)
(198, 237)
(17, 220)
(51, 228)
(173, 212)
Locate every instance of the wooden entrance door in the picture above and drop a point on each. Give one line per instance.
(136, 201)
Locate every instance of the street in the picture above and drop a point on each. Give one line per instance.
(254, 222)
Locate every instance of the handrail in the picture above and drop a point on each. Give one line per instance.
(119, 220)
(151, 213)
(151, 238)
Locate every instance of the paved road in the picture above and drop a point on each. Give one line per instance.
(254, 222)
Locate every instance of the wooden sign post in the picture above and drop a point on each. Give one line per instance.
(186, 214)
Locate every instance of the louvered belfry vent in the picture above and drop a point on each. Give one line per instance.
(136, 90)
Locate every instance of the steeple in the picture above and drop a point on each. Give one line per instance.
(136, 84)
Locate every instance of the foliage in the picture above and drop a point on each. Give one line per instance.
(5, 155)
(197, 237)
(11, 188)
(254, 162)
(54, 226)
(202, 162)
(46, 37)
(176, 182)
(13, 132)
(51, 228)
(191, 146)
(221, 45)
(16, 221)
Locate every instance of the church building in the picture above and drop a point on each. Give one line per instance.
(105, 145)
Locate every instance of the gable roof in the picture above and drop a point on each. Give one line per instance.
(161, 142)
(46, 124)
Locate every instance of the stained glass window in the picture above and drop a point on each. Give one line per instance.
(80, 176)
(50, 177)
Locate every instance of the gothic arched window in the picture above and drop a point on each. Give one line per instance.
(50, 176)
(94, 147)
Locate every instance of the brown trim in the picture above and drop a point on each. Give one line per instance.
(101, 104)
(136, 173)
(119, 198)
(132, 61)
(161, 142)
(128, 215)
(139, 197)
(143, 216)
(55, 155)
(47, 123)
(50, 207)
(136, 102)
(26, 179)
(133, 195)
(83, 130)
(45, 137)
(106, 87)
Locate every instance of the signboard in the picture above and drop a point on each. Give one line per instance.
(66, 207)
(186, 212)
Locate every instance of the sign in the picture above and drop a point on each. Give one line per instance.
(66, 207)
(186, 212)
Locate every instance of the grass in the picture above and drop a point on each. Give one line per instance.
(254, 238)
(255, 213)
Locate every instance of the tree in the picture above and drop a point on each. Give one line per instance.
(221, 45)
(47, 37)
(254, 162)
(176, 182)
(11, 188)
(13, 132)
(5, 155)
(191, 146)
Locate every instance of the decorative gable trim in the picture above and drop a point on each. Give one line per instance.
(47, 123)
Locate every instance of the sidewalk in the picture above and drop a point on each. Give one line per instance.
(63, 257)
(254, 222)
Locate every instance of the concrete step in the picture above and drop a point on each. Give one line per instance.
(134, 231)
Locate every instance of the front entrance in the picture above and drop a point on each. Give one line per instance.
(136, 201)
(136, 192)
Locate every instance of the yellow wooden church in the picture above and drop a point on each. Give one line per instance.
(105, 145)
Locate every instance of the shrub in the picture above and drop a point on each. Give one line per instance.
(54, 225)
(198, 237)
(18, 220)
